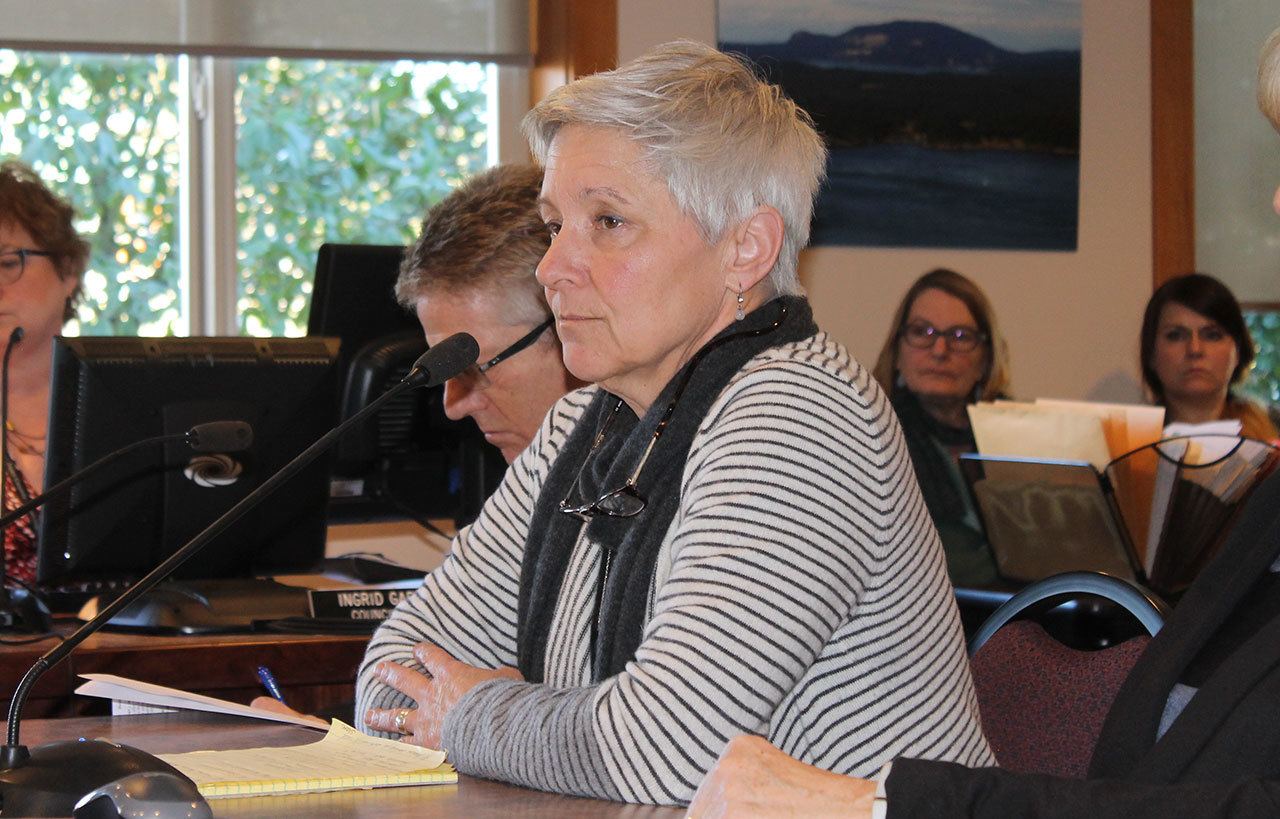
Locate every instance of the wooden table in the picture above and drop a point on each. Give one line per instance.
(315, 671)
(188, 731)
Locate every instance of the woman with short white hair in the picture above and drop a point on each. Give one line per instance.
(723, 533)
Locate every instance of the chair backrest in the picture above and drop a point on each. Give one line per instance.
(1042, 703)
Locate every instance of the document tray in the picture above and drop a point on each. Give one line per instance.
(1043, 517)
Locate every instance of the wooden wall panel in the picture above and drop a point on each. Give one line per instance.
(1172, 140)
(572, 38)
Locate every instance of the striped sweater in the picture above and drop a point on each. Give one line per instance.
(800, 594)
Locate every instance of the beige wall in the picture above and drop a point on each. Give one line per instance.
(1071, 318)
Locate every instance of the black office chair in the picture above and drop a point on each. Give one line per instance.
(409, 459)
(1043, 703)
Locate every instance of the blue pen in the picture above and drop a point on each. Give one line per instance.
(269, 682)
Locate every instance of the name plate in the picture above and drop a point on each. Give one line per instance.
(355, 604)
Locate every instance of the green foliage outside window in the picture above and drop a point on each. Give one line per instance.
(1264, 380)
(341, 152)
(327, 151)
(103, 132)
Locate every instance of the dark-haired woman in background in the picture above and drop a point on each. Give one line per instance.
(42, 260)
(943, 353)
(1195, 350)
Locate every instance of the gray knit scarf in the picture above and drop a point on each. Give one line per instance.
(583, 472)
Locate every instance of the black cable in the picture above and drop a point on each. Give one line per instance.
(411, 513)
(24, 584)
(39, 595)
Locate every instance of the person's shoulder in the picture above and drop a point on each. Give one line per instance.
(818, 359)
(1260, 420)
(816, 374)
(565, 414)
(1273, 414)
(571, 405)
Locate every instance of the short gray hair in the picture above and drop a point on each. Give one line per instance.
(486, 234)
(724, 140)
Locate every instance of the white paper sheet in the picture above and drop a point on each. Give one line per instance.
(109, 686)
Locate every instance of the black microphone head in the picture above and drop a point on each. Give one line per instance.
(220, 436)
(17, 335)
(445, 359)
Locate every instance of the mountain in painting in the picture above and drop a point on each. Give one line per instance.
(907, 46)
(926, 84)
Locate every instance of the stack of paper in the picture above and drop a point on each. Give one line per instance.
(1057, 429)
(344, 760)
(1096, 433)
(1125, 427)
(134, 696)
(1007, 428)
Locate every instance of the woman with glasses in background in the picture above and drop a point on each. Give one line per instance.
(42, 261)
(721, 534)
(944, 352)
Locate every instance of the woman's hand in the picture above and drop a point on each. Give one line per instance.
(436, 692)
(273, 704)
(754, 779)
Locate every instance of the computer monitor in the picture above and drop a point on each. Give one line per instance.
(121, 522)
(409, 460)
(353, 296)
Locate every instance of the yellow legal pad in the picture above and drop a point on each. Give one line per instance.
(344, 759)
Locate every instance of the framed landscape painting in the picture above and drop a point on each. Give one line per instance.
(952, 124)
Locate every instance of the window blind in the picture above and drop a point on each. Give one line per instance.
(483, 30)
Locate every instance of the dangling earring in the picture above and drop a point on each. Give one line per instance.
(741, 314)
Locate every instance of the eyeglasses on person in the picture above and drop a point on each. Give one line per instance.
(13, 263)
(959, 338)
(475, 375)
(626, 501)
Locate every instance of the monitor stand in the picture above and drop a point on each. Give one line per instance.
(206, 606)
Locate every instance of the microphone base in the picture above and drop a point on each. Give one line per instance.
(23, 612)
(58, 774)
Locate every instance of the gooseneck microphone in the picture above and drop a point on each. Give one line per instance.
(214, 436)
(49, 780)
